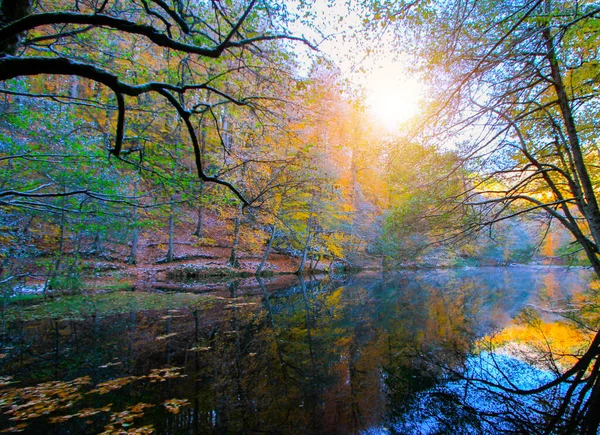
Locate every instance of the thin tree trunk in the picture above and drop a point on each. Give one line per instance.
(200, 224)
(53, 272)
(171, 251)
(307, 319)
(309, 235)
(199, 232)
(267, 251)
(233, 258)
(305, 252)
(132, 259)
(96, 247)
(312, 268)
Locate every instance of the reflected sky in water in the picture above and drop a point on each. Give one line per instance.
(348, 355)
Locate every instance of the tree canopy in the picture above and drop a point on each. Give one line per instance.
(188, 59)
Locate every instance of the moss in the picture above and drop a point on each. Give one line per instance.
(104, 304)
(266, 273)
(25, 299)
(194, 271)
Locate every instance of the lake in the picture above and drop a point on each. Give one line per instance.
(370, 353)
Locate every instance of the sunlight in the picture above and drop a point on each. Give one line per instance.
(392, 97)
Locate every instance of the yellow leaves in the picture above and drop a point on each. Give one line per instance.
(595, 285)
(32, 402)
(334, 300)
(139, 407)
(343, 342)
(161, 375)
(114, 384)
(61, 418)
(552, 343)
(22, 404)
(334, 244)
(125, 418)
(88, 412)
(156, 375)
(143, 430)
(14, 429)
(174, 405)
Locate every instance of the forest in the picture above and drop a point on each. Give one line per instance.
(154, 154)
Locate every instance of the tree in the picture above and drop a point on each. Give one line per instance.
(420, 180)
(520, 104)
(98, 42)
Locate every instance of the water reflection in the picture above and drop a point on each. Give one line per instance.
(359, 354)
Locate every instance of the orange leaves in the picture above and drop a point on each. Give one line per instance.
(143, 430)
(14, 429)
(88, 412)
(121, 421)
(161, 375)
(546, 344)
(124, 418)
(114, 384)
(61, 418)
(174, 405)
(31, 402)
(22, 404)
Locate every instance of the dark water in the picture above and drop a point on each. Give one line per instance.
(353, 355)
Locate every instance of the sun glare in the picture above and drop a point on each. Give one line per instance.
(392, 97)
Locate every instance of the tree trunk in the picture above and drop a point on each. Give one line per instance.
(171, 251)
(587, 198)
(199, 232)
(267, 251)
(54, 270)
(312, 268)
(200, 224)
(233, 258)
(305, 252)
(132, 259)
(96, 247)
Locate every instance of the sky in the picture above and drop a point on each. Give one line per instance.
(391, 92)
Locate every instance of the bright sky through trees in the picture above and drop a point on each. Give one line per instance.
(373, 65)
(391, 95)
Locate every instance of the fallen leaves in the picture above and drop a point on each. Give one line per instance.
(88, 412)
(166, 336)
(161, 375)
(15, 429)
(43, 400)
(120, 422)
(174, 405)
(114, 384)
(5, 381)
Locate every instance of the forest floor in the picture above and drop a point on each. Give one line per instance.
(207, 257)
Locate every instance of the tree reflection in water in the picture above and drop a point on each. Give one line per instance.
(412, 352)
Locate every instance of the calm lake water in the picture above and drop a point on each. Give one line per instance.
(360, 354)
